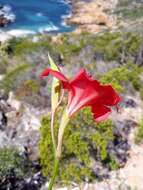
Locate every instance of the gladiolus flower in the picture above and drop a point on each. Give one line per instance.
(84, 91)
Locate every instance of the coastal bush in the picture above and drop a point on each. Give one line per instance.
(84, 141)
(11, 77)
(108, 44)
(131, 13)
(28, 88)
(29, 91)
(3, 64)
(125, 2)
(113, 46)
(26, 45)
(11, 162)
(141, 93)
(129, 9)
(69, 45)
(123, 76)
(69, 49)
(10, 45)
(16, 169)
(139, 133)
(121, 47)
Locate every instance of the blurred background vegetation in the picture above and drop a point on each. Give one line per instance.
(112, 57)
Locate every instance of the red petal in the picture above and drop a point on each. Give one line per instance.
(108, 96)
(83, 92)
(100, 112)
(56, 74)
(82, 75)
(44, 73)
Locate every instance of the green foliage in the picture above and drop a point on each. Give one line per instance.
(101, 138)
(28, 88)
(32, 85)
(131, 43)
(11, 161)
(139, 134)
(3, 65)
(68, 46)
(10, 78)
(130, 9)
(113, 165)
(26, 45)
(141, 93)
(125, 2)
(9, 46)
(113, 46)
(131, 13)
(121, 76)
(83, 142)
(109, 45)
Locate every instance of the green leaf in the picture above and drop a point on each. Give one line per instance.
(55, 86)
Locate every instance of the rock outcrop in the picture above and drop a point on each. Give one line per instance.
(6, 16)
(93, 16)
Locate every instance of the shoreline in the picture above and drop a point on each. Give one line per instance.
(92, 16)
(7, 33)
(14, 33)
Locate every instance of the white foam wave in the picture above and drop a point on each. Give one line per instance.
(20, 33)
(48, 28)
(67, 2)
(11, 17)
(7, 13)
(39, 14)
(66, 16)
(63, 23)
(6, 8)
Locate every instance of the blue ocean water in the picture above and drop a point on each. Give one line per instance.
(39, 15)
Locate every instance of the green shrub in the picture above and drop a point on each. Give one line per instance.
(125, 2)
(68, 46)
(139, 134)
(26, 45)
(3, 65)
(141, 93)
(11, 77)
(122, 76)
(113, 45)
(28, 88)
(109, 44)
(132, 13)
(83, 142)
(11, 161)
(128, 10)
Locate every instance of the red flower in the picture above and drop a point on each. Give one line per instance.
(84, 91)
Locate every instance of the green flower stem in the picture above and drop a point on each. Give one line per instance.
(52, 130)
(63, 124)
(52, 121)
(55, 172)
